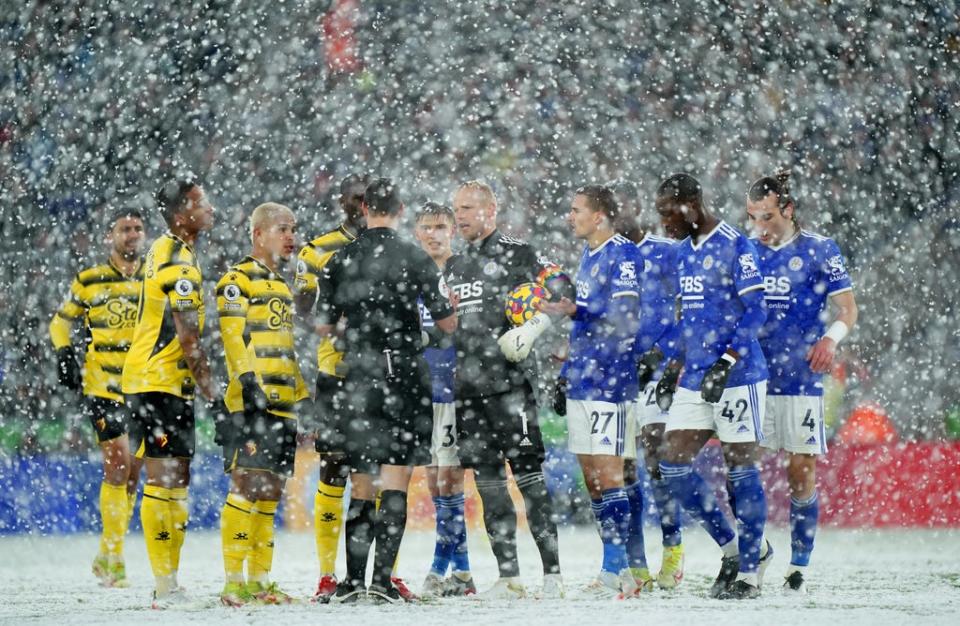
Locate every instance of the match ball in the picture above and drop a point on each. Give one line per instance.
(522, 302)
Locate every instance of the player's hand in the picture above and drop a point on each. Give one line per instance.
(667, 385)
(715, 380)
(69, 373)
(821, 355)
(562, 307)
(516, 344)
(560, 396)
(647, 366)
(222, 422)
(254, 400)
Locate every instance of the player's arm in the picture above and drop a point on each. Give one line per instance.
(310, 265)
(328, 314)
(233, 302)
(73, 309)
(442, 308)
(187, 324)
(844, 305)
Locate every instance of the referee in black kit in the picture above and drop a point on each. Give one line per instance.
(371, 288)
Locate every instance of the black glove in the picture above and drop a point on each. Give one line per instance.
(647, 366)
(715, 380)
(69, 373)
(254, 400)
(560, 397)
(222, 422)
(667, 385)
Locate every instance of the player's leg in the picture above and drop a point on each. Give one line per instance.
(328, 499)
(236, 520)
(443, 546)
(115, 506)
(389, 528)
(739, 417)
(653, 440)
(460, 582)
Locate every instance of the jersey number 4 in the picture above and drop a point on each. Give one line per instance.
(808, 420)
(596, 415)
(731, 414)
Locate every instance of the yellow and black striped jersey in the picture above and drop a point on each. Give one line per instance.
(106, 300)
(310, 262)
(255, 307)
(171, 283)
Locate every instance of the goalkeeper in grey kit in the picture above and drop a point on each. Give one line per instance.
(496, 386)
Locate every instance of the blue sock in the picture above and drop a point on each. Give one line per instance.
(460, 559)
(751, 512)
(597, 507)
(697, 498)
(803, 528)
(669, 510)
(636, 552)
(614, 528)
(443, 549)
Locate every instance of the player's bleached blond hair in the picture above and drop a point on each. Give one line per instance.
(267, 213)
(483, 188)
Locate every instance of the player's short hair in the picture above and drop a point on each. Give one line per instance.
(118, 214)
(435, 208)
(484, 189)
(172, 197)
(601, 198)
(778, 184)
(354, 180)
(682, 188)
(266, 213)
(382, 197)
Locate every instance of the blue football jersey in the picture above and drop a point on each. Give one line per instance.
(713, 275)
(442, 362)
(798, 278)
(658, 294)
(602, 362)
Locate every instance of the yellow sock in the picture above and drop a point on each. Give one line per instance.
(327, 521)
(131, 505)
(113, 511)
(261, 529)
(158, 533)
(179, 514)
(235, 534)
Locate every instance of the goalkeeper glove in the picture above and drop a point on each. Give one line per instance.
(715, 380)
(223, 426)
(647, 366)
(560, 397)
(517, 342)
(254, 400)
(69, 373)
(667, 385)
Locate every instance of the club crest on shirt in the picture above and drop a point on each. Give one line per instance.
(594, 270)
(442, 287)
(490, 268)
(795, 263)
(707, 262)
(301, 267)
(647, 265)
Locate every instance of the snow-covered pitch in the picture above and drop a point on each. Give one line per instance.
(856, 577)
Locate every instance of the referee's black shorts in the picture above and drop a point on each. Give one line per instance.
(166, 423)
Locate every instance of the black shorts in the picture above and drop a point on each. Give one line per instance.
(387, 422)
(501, 427)
(110, 419)
(166, 423)
(264, 442)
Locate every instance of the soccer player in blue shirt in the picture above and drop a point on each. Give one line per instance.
(802, 272)
(600, 373)
(723, 386)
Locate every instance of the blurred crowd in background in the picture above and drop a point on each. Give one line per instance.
(102, 100)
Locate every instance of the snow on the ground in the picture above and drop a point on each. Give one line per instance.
(857, 577)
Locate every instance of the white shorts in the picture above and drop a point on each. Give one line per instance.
(795, 424)
(595, 427)
(737, 418)
(648, 412)
(443, 443)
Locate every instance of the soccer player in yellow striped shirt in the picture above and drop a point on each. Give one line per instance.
(104, 297)
(164, 367)
(259, 436)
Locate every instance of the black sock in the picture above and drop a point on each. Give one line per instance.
(500, 518)
(358, 534)
(391, 522)
(541, 519)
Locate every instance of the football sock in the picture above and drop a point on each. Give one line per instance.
(500, 520)
(113, 511)
(179, 514)
(260, 561)
(751, 513)
(327, 519)
(541, 519)
(131, 505)
(460, 558)
(388, 530)
(158, 533)
(443, 549)
(358, 531)
(697, 498)
(803, 528)
(235, 535)
(636, 551)
(614, 526)
(669, 510)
